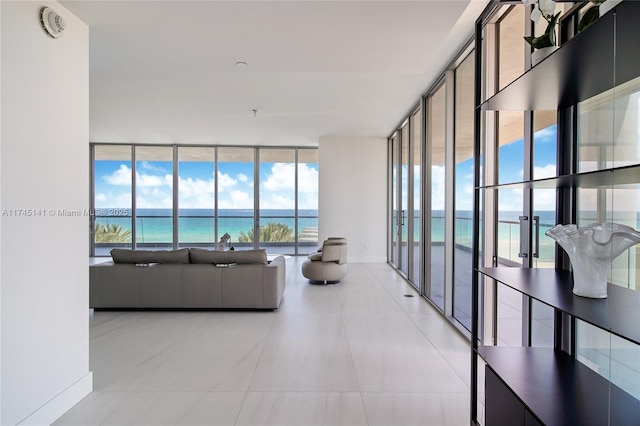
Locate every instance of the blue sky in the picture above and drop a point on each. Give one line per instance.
(277, 190)
(196, 185)
(511, 170)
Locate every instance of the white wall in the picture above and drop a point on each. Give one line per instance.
(353, 195)
(44, 166)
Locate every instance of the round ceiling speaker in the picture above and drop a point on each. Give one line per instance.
(52, 23)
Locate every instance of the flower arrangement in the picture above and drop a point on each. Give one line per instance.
(543, 9)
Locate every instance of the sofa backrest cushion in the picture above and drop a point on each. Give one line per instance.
(150, 256)
(230, 256)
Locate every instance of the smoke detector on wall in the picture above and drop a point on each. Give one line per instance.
(52, 23)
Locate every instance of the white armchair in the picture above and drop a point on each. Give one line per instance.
(329, 263)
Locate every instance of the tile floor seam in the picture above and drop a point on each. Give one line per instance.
(353, 363)
(195, 404)
(255, 368)
(115, 408)
(420, 329)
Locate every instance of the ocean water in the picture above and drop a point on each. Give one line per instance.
(198, 226)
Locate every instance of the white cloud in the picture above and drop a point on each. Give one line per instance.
(544, 172)
(154, 197)
(195, 193)
(145, 165)
(437, 187)
(143, 180)
(236, 200)
(465, 202)
(111, 200)
(155, 191)
(510, 200)
(282, 177)
(308, 201)
(544, 199)
(225, 182)
(277, 202)
(547, 134)
(307, 180)
(121, 177)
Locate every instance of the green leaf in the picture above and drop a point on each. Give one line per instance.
(589, 17)
(551, 29)
(539, 42)
(547, 39)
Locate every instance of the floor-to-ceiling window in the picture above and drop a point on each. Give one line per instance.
(196, 195)
(436, 180)
(393, 200)
(405, 169)
(154, 197)
(235, 199)
(277, 204)
(403, 236)
(307, 190)
(415, 200)
(112, 182)
(160, 197)
(463, 191)
(443, 139)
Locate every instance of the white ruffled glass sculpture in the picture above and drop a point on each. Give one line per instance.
(591, 250)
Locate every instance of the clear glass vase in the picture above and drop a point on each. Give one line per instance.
(591, 250)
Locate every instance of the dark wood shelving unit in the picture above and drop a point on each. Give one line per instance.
(558, 390)
(537, 385)
(627, 175)
(554, 288)
(582, 68)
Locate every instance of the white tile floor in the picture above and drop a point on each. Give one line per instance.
(354, 353)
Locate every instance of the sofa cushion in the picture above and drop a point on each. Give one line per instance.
(150, 256)
(243, 257)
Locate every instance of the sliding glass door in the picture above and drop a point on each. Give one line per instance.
(406, 222)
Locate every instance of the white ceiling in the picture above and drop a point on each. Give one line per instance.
(164, 71)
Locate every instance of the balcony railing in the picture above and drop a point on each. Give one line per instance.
(198, 231)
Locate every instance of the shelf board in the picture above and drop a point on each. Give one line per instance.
(560, 390)
(626, 175)
(581, 68)
(618, 313)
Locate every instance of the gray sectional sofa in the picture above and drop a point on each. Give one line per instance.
(187, 279)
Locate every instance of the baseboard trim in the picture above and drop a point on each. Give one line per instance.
(61, 403)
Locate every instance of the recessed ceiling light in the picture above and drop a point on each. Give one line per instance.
(241, 64)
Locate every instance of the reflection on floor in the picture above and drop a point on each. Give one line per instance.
(354, 353)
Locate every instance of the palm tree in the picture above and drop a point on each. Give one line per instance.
(271, 232)
(111, 234)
